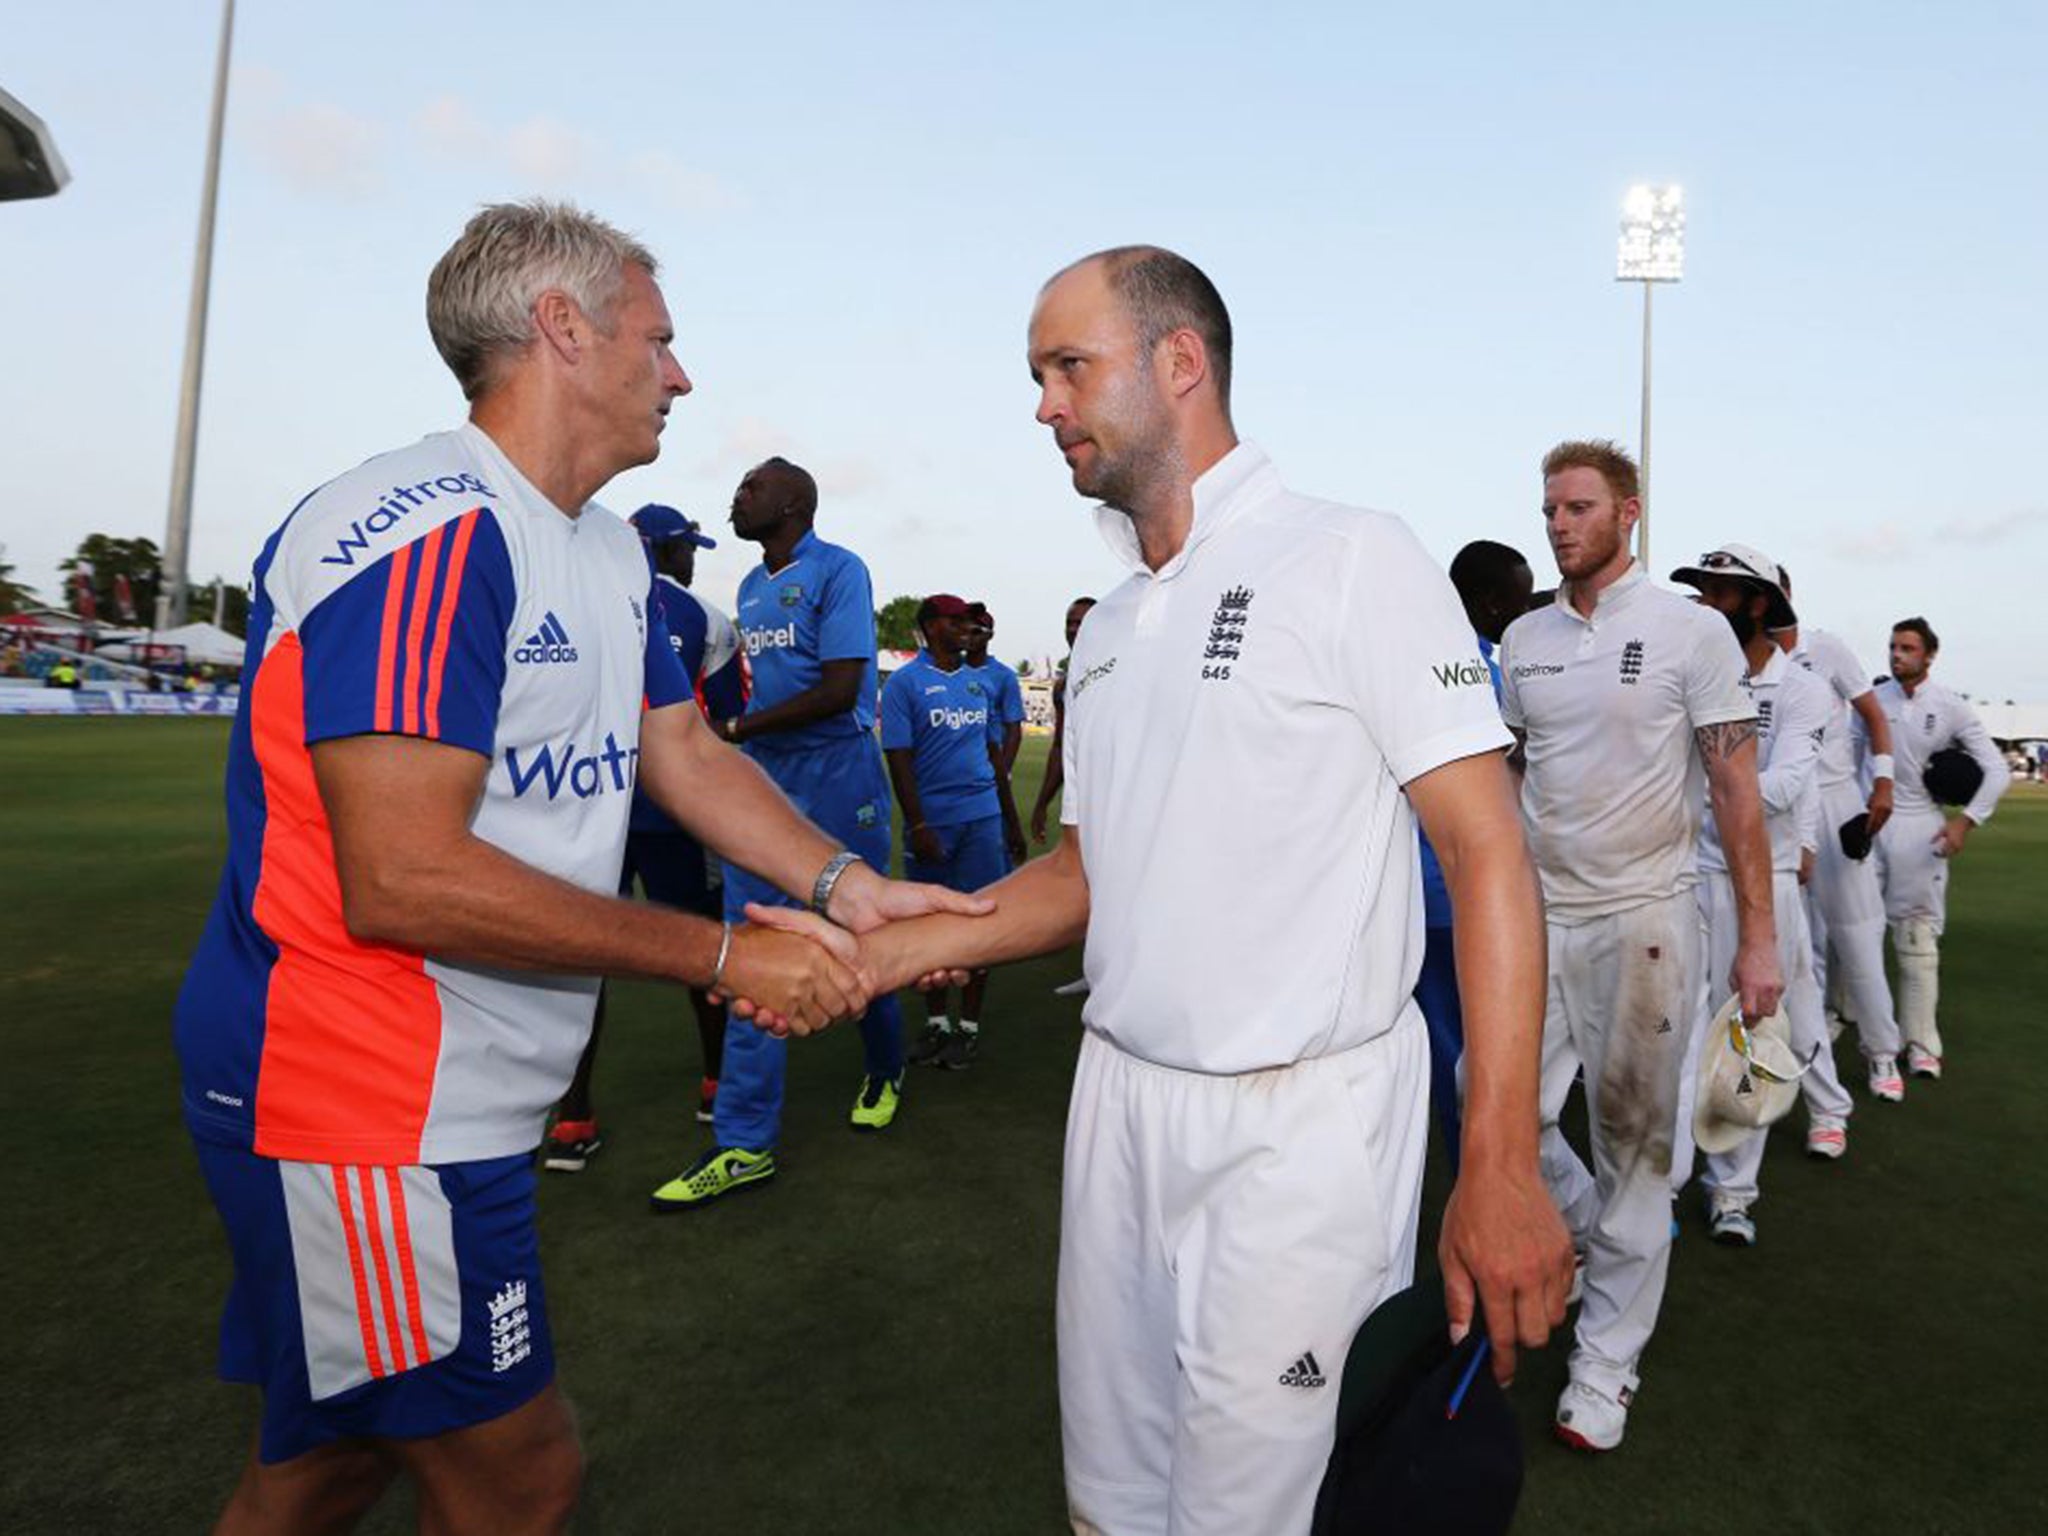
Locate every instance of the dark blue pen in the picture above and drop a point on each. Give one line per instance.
(1465, 1381)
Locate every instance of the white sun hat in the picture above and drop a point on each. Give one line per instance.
(1748, 1078)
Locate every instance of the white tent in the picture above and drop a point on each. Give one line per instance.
(202, 642)
(2014, 722)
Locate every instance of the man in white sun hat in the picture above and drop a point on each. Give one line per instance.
(1629, 703)
(1793, 708)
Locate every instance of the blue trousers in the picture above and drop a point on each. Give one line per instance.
(1436, 993)
(843, 788)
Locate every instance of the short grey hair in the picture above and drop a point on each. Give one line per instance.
(481, 295)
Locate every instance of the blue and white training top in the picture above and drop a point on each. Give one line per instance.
(434, 593)
(707, 648)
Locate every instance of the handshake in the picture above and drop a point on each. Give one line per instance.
(791, 972)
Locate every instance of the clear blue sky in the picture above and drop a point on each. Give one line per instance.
(1411, 211)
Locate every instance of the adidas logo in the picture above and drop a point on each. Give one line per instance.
(548, 643)
(1303, 1373)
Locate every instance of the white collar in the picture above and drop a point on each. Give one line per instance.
(1242, 478)
(1609, 597)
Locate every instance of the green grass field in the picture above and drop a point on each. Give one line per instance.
(866, 1344)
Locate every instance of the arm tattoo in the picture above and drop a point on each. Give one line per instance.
(1723, 741)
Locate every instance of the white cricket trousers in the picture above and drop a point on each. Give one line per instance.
(1732, 1176)
(1221, 1240)
(1624, 990)
(1915, 877)
(1916, 905)
(1845, 909)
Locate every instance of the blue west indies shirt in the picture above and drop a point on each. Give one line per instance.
(1006, 694)
(947, 722)
(818, 608)
(1436, 896)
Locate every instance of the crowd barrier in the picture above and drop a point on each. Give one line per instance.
(36, 700)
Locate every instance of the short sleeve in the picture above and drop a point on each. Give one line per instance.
(687, 626)
(897, 707)
(722, 685)
(1407, 657)
(1839, 666)
(665, 680)
(415, 644)
(846, 614)
(1013, 699)
(1714, 670)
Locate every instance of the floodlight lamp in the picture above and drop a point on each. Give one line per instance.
(1652, 246)
(29, 163)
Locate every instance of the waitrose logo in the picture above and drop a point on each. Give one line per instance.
(1462, 674)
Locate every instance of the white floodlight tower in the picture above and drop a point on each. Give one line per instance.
(1652, 251)
(171, 590)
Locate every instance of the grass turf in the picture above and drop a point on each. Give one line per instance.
(866, 1343)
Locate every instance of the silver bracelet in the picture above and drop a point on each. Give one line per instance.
(828, 878)
(724, 949)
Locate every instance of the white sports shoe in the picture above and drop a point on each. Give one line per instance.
(1588, 1419)
(1885, 1082)
(1826, 1139)
(1730, 1225)
(1922, 1062)
(1836, 1024)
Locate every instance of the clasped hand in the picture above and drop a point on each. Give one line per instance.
(790, 972)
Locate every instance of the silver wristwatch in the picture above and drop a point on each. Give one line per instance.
(828, 878)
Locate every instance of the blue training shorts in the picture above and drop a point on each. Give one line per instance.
(394, 1302)
(974, 856)
(672, 869)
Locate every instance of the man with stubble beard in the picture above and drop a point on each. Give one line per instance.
(1625, 699)
(1281, 684)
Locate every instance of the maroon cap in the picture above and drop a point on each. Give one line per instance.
(944, 605)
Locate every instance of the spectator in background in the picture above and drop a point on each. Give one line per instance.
(944, 745)
(669, 864)
(1055, 766)
(1005, 692)
(806, 618)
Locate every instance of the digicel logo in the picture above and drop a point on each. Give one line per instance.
(759, 640)
(954, 719)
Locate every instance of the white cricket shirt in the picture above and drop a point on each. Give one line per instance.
(1612, 794)
(1239, 725)
(1793, 708)
(1829, 658)
(1923, 722)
